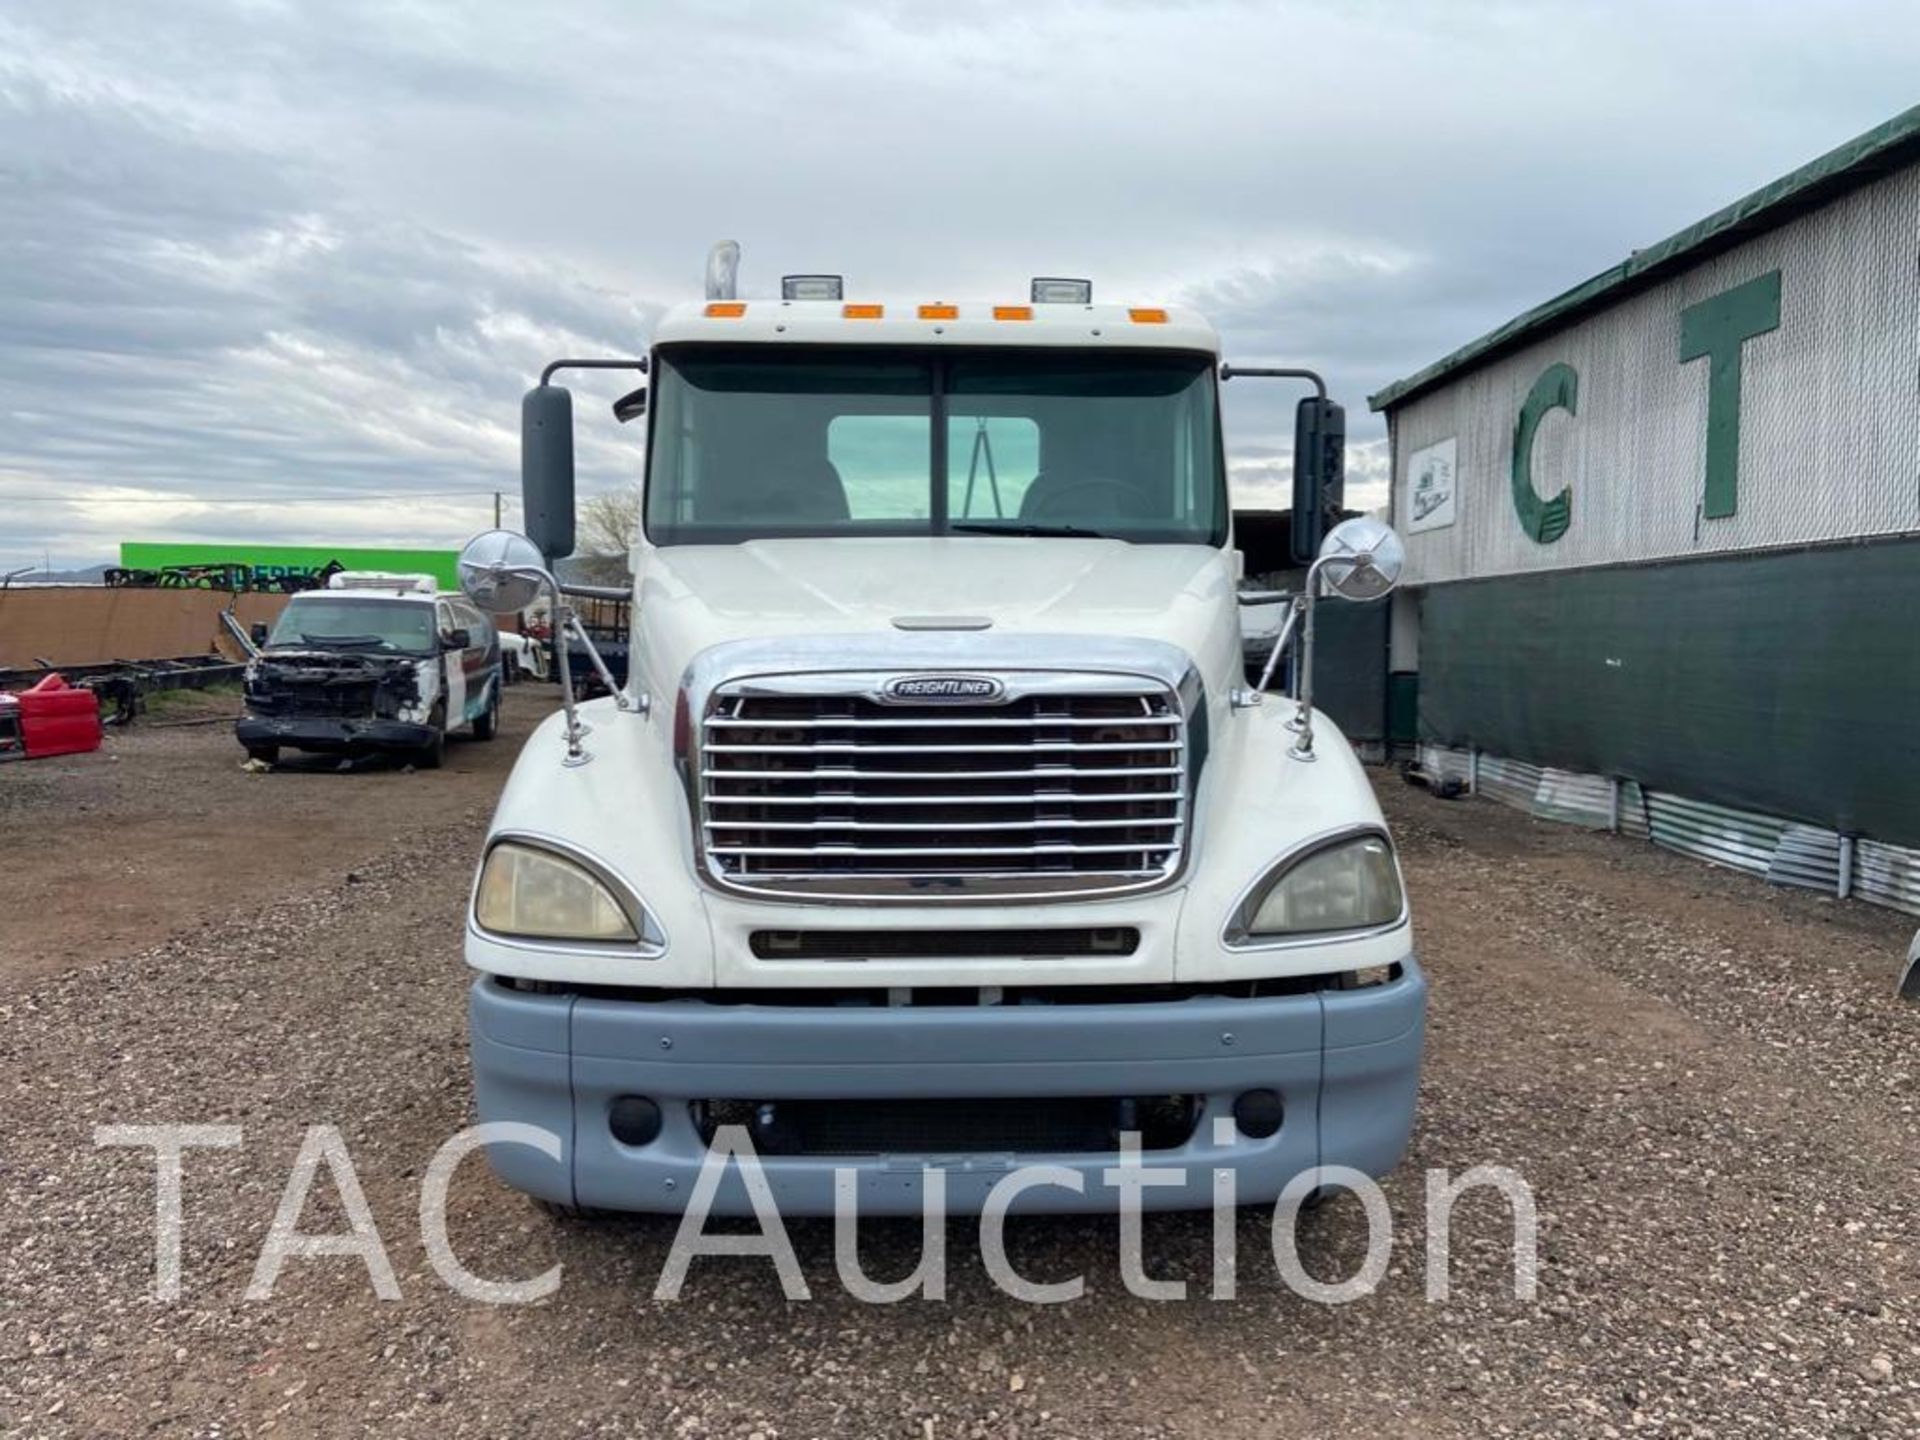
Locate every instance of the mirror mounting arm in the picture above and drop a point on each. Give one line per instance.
(1303, 674)
(1253, 372)
(546, 375)
(621, 700)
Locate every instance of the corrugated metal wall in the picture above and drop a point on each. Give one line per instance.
(1830, 427)
(1775, 850)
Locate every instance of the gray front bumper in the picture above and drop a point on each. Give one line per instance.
(332, 735)
(1346, 1064)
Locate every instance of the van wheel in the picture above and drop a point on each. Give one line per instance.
(487, 723)
(434, 753)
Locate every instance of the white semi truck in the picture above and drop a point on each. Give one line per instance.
(936, 827)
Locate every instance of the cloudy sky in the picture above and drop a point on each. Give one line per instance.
(281, 270)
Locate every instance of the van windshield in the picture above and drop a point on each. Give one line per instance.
(749, 444)
(326, 622)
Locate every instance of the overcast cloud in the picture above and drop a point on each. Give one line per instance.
(312, 253)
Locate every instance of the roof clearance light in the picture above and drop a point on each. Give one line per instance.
(1148, 317)
(939, 312)
(726, 309)
(811, 287)
(862, 312)
(1013, 312)
(1052, 290)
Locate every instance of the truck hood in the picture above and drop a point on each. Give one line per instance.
(695, 596)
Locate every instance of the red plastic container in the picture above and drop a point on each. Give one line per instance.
(58, 719)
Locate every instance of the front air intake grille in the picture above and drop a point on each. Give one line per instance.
(1024, 1125)
(943, 944)
(1069, 784)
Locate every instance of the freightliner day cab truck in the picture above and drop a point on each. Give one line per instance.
(936, 827)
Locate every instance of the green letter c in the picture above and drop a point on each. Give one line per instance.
(1545, 520)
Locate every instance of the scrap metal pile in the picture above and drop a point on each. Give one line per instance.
(238, 578)
(117, 689)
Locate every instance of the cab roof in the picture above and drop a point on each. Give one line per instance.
(935, 323)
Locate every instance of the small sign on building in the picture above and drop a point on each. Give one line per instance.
(1430, 487)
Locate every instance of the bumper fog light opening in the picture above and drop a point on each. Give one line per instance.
(634, 1120)
(1258, 1113)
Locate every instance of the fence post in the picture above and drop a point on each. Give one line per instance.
(1473, 770)
(1613, 804)
(1844, 889)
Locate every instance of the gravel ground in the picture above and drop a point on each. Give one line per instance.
(1706, 1082)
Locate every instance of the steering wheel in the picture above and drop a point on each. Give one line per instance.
(1124, 501)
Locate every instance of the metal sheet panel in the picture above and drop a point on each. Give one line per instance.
(1887, 875)
(1511, 782)
(1806, 856)
(1830, 413)
(1776, 850)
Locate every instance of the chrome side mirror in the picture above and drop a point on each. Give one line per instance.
(502, 572)
(1361, 559)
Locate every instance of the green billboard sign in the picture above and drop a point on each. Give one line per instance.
(278, 560)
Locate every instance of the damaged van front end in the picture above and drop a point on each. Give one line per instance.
(338, 702)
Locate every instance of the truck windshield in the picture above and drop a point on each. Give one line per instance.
(748, 444)
(323, 622)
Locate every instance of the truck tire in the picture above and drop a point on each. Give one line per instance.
(487, 723)
(265, 754)
(433, 754)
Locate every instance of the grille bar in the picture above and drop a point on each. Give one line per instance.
(829, 850)
(867, 722)
(1037, 797)
(841, 772)
(1076, 784)
(916, 827)
(1041, 747)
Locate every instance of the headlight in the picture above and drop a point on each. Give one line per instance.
(1349, 885)
(537, 893)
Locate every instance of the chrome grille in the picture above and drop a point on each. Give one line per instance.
(823, 786)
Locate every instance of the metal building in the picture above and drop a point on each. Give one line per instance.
(1663, 534)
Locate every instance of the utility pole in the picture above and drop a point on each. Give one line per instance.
(496, 509)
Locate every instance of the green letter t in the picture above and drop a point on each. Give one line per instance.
(1717, 328)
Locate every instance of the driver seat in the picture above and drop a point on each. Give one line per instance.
(1095, 505)
(1039, 490)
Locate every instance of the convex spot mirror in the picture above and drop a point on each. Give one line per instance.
(1362, 558)
(631, 406)
(501, 572)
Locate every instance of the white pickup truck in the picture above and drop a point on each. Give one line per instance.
(936, 827)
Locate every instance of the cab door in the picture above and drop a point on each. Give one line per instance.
(452, 665)
(480, 661)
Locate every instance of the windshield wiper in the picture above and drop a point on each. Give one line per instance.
(1076, 532)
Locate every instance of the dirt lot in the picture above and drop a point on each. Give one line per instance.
(1706, 1082)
